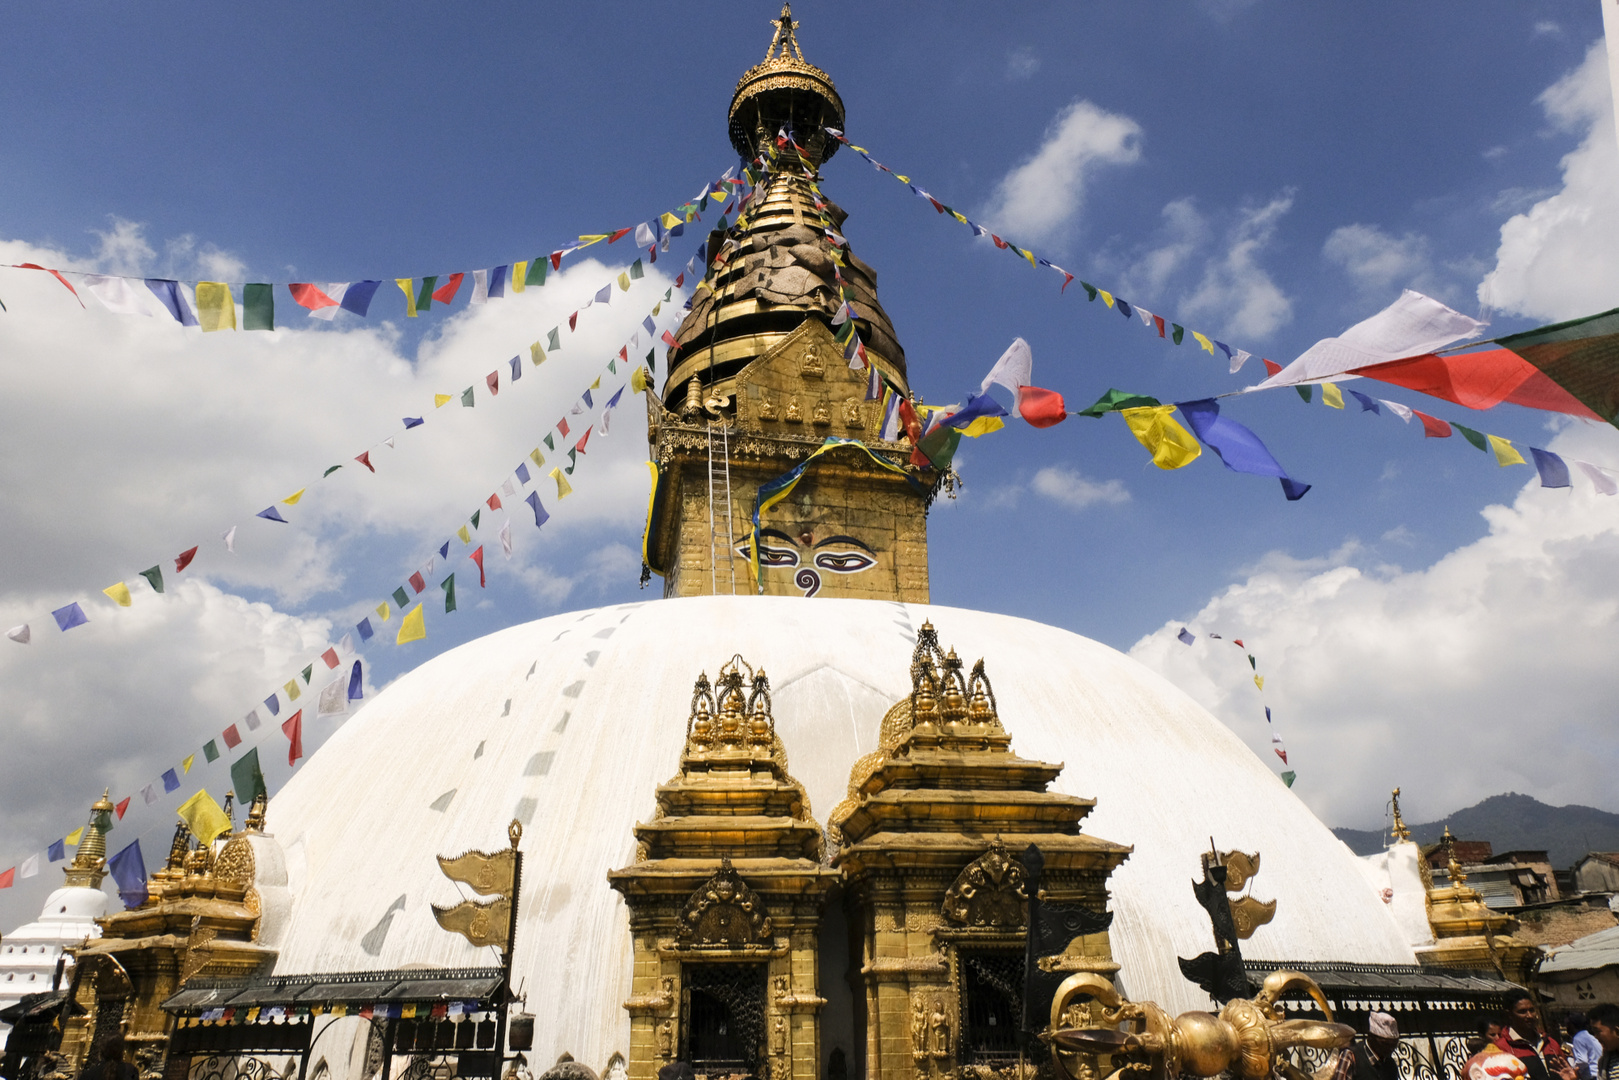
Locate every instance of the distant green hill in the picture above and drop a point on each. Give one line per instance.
(1512, 822)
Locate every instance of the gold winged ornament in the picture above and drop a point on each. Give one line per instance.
(1249, 1036)
(489, 874)
(481, 924)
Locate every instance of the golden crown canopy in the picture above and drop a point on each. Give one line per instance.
(785, 91)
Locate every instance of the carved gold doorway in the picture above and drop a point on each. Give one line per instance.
(722, 1017)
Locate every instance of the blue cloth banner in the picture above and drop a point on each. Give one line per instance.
(522, 473)
(172, 297)
(612, 401)
(357, 298)
(273, 703)
(588, 403)
(1553, 470)
(356, 683)
(69, 617)
(1367, 404)
(171, 781)
(517, 368)
(271, 514)
(977, 406)
(497, 281)
(605, 296)
(57, 851)
(1238, 447)
(364, 627)
(444, 551)
(540, 516)
(412, 421)
(128, 869)
(1186, 636)
(651, 327)
(1124, 308)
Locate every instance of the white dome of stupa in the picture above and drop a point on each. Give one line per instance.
(29, 954)
(569, 724)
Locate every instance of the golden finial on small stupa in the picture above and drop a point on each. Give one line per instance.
(784, 37)
(89, 865)
(1457, 878)
(1401, 833)
(255, 816)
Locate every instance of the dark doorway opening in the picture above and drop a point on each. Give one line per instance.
(723, 1017)
(991, 1007)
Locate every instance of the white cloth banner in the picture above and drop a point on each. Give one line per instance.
(480, 287)
(336, 290)
(1402, 411)
(29, 867)
(1601, 480)
(119, 294)
(334, 699)
(1014, 370)
(1411, 326)
(20, 634)
(506, 538)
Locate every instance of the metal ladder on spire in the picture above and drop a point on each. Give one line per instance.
(719, 488)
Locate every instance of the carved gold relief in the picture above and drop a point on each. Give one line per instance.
(767, 407)
(812, 366)
(794, 414)
(990, 892)
(851, 414)
(724, 913)
(823, 415)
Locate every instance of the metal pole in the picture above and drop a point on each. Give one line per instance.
(504, 1002)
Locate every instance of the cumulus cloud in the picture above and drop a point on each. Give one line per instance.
(1236, 291)
(1556, 259)
(1377, 261)
(1064, 485)
(1381, 677)
(1185, 231)
(1042, 198)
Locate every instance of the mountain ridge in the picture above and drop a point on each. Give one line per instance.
(1510, 822)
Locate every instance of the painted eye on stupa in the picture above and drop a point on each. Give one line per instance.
(770, 556)
(845, 562)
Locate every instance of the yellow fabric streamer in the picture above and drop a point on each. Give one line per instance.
(593, 238)
(1505, 453)
(669, 220)
(646, 533)
(1331, 395)
(412, 627)
(119, 594)
(564, 489)
(536, 354)
(1030, 256)
(1208, 346)
(1172, 446)
(959, 217)
(902, 179)
(215, 308)
(638, 380)
(185, 766)
(1259, 681)
(441, 400)
(383, 611)
(404, 284)
(292, 690)
(466, 537)
(624, 282)
(72, 839)
(519, 272)
(1107, 297)
(204, 817)
(539, 458)
(983, 426)
(657, 308)
(597, 385)
(292, 500)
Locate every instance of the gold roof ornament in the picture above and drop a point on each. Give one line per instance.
(89, 865)
(255, 814)
(1400, 832)
(784, 91)
(1454, 868)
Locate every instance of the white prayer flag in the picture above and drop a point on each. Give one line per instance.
(480, 287)
(229, 536)
(336, 290)
(506, 537)
(507, 488)
(119, 295)
(149, 793)
(427, 567)
(1144, 315)
(346, 646)
(1014, 370)
(390, 441)
(1398, 410)
(1599, 479)
(334, 699)
(1411, 326)
(29, 867)
(252, 720)
(644, 236)
(20, 634)
(1239, 359)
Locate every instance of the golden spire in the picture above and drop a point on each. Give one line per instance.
(255, 815)
(89, 866)
(785, 37)
(1457, 878)
(1401, 833)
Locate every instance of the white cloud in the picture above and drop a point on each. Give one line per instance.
(1556, 260)
(123, 248)
(1378, 262)
(1064, 485)
(1546, 27)
(1235, 290)
(1021, 64)
(1185, 232)
(1498, 655)
(1042, 198)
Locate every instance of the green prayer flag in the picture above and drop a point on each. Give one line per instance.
(308, 671)
(1118, 399)
(536, 271)
(668, 293)
(210, 750)
(553, 341)
(549, 445)
(649, 354)
(258, 307)
(1090, 290)
(702, 204)
(1474, 437)
(246, 777)
(612, 365)
(424, 299)
(155, 577)
(940, 446)
(466, 398)
(723, 225)
(330, 471)
(448, 585)
(1180, 332)
(401, 599)
(1581, 356)
(475, 515)
(635, 269)
(1304, 392)
(1288, 777)
(573, 459)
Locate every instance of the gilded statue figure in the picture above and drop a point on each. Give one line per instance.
(851, 413)
(813, 366)
(666, 1039)
(941, 1029)
(794, 415)
(919, 1029)
(778, 1037)
(767, 407)
(823, 415)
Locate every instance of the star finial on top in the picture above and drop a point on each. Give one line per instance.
(784, 37)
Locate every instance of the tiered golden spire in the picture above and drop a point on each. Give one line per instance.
(784, 38)
(89, 866)
(1401, 833)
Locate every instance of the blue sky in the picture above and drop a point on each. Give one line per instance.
(1268, 173)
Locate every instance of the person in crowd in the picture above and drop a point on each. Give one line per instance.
(1521, 1036)
(1372, 1056)
(1583, 1048)
(1603, 1024)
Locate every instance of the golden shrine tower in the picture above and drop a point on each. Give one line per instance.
(758, 381)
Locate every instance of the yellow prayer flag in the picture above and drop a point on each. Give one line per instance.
(1259, 681)
(383, 611)
(657, 308)
(466, 537)
(292, 500)
(412, 627)
(983, 426)
(407, 1012)
(1172, 446)
(564, 489)
(1208, 346)
(539, 458)
(960, 217)
(902, 179)
(72, 839)
(536, 354)
(519, 271)
(204, 817)
(292, 690)
(1505, 453)
(1107, 297)
(252, 1014)
(441, 400)
(597, 385)
(1331, 395)
(669, 221)
(216, 310)
(638, 381)
(185, 766)
(623, 282)
(340, 1010)
(119, 594)
(1027, 254)
(593, 238)
(404, 284)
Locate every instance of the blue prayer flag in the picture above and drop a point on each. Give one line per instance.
(1367, 404)
(364, 627)
(356, 683)
(1124, 308)
(517, 368)
(605, 296)
(497, 281)
(1553, 470)
(612, 401)
(588, 403)
(413, 421)
(171, 781)
(540, 516)
(1267, 714)
(271, 514)
(444, 550)
(1223, 347)
(1238, 447)
(651, 327)
(57, 851)
(69, 617)
(128, 869)
(977, 406)
(522, 473)
(1186, 636)
(273, 703)
(357, 297)
(173, 298)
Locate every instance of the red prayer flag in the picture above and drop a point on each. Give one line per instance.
(493, 379)
(310, 296)
(1066, 279)
(573, 320)
(330, 656)
(624, 353)
(365, 459)
(562, 426)
(998, 241)
(57, 276)
(1041, 408)
(477, 557)
(1158, 321)
(556, 260)
(1432, 426)
(1281, 754)
(907, 416)
(416, 581)
(618, 235)
(6, 878)
(494, 502)
(121, 807)
(1479, 380)
(1271, 367)
(580, 445)
(680, 279)
(183, 560)
(233, 738)
(446, 292)
(1238, 642)
(293, 728)
(669, 340)
(937, 205)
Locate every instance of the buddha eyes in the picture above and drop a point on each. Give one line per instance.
(844, 562)
(770, 556)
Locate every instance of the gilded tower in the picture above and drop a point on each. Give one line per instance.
(786, 351)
